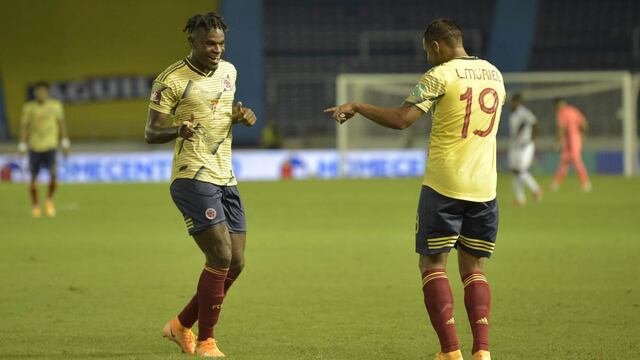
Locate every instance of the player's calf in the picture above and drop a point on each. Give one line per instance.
(438, 300)
(477, 301)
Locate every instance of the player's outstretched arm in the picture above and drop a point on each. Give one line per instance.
(156, 133)
(394, 118)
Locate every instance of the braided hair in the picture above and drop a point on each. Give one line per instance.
(209, 21)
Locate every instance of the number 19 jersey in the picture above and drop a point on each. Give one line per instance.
(465, 96)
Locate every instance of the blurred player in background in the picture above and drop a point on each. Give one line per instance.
(198, 93)
(522, 125)
(571, 126)
(41, 127)
(457, 206)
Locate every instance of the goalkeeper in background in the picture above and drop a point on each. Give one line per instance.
(41, 128)
(572, 126)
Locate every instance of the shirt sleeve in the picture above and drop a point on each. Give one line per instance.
(428, 91)
(163, 97)
(531, 118)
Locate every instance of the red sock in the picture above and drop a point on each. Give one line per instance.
(210, 297)
(189, 314)
(231, 278)
(33, 190)
(477, 300)
(439, 302)
(52, 188)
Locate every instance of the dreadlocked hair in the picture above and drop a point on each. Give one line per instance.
(209, 21)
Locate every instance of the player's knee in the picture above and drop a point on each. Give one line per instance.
(219, 255)
(469, 263)
(430, 262)
(237, 265)
(220, 259)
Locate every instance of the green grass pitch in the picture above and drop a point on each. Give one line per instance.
(331, 274)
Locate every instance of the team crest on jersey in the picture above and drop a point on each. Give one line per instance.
(210, 213)
(227, 83)
(156, 93)
(156, 96)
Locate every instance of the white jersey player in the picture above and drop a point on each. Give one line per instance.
(522, 124)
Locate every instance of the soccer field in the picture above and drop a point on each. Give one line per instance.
(331, 274)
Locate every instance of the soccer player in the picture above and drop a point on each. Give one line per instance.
(41, 127)
(522, 126)
(571, 125)
(197, 94)
(457, 206)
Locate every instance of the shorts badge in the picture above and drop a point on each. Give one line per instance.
(210, 213)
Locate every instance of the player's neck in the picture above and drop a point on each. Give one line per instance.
(198, 65)
(459, 53)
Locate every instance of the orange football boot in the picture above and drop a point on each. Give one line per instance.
(208, 348)
(454, 355)
(481, 355)
(181, 335)
(36, 212)
(49, 208)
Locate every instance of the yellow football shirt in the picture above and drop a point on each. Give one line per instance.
(182, 90)
(42, 123)
(466, 96)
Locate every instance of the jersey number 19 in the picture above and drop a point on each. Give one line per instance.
(491, 110)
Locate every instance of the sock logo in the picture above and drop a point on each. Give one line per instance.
(451, 322)
(217, 307)
(483, 321)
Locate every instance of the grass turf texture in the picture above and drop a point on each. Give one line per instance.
(331, 274)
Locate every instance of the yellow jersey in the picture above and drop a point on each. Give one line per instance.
(42, 121)
(182, 90)
(466, 96)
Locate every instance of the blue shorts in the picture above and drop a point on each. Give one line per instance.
(204, 205)
(42, 159)
(443, 223)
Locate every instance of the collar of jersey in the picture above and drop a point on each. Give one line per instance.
(195, 69)
(467, 58)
